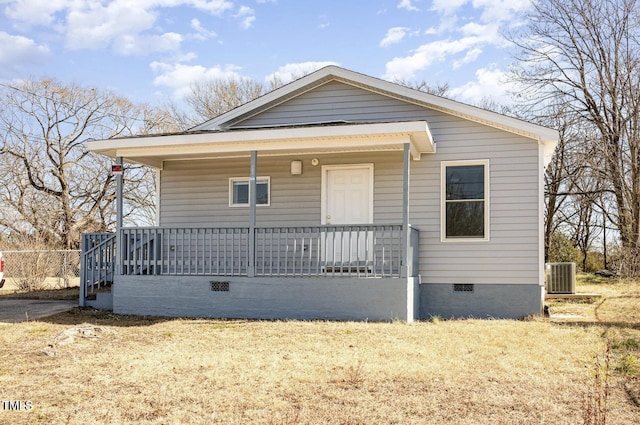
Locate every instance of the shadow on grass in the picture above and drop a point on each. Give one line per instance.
(80, 315)
(618, 315)
(68, 294)
(599, 324)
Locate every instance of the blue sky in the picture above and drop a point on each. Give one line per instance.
(151, 50)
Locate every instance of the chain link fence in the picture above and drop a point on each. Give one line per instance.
(39, 269)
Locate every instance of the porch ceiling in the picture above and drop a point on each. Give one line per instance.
(154, 150)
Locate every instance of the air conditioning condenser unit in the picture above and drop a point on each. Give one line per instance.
(560, 278)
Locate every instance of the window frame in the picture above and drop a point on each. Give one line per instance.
(443, 200)
(260, 179)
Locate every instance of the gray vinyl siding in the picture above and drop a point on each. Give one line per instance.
(511, 254)
(337, 101)
(196, 193)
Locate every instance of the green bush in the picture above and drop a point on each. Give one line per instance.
(561, 250)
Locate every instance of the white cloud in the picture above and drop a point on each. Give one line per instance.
(179, 77)
(489, 83)
(491, 10)
(474, 28)
(293, 71)
(447, 6)
(248, 22)
(403, 68)
(471, 56)
(500, 10)
(447, 23)
(247, 16)
(201, 32)
(97, 27)
(462, 41)
(39, 12)
(129, 45)
(394, 35)
(215, 7)
(406, 4)
(35, 12)
(125, 24)
(18, 52)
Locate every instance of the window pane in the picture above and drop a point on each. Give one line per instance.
(262, 193)
(465, 182)
(240, 192)
(465, 219)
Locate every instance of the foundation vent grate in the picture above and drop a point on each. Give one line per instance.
(463, 287)
(217, 286)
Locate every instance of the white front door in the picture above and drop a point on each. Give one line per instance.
(348, 199)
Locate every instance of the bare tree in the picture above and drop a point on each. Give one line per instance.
(556, 180)
(438, 89)
(584, 56)
(210, 98)
(52, 188)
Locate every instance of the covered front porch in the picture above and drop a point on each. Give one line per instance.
(320, 262)
(368, 265)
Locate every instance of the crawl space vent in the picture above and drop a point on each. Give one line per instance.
(463, 287)
(219, 286)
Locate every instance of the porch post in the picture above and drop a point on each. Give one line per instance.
(119, 212)
(251, 271)
(405, 212)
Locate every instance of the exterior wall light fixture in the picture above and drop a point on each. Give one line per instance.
(296, 168)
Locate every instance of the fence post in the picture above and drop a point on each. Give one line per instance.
(65, 262)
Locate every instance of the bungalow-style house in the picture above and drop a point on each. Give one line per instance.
(337, 196)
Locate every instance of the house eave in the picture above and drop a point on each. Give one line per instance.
(154, 150)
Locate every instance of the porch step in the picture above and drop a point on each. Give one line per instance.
(101, 301)
(102, 289)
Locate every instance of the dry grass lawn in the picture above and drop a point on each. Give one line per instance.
(126, 369)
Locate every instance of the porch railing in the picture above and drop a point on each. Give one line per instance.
(220, 251)
(97, 263)
(361, 251)
(300, 251)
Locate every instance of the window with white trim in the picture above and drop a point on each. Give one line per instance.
(239, 191)
(465, 200)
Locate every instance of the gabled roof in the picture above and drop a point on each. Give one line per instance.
(226, 136)
(539, 133)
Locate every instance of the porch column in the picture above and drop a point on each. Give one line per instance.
(405, 212)
(251, 267)
(119, 212)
